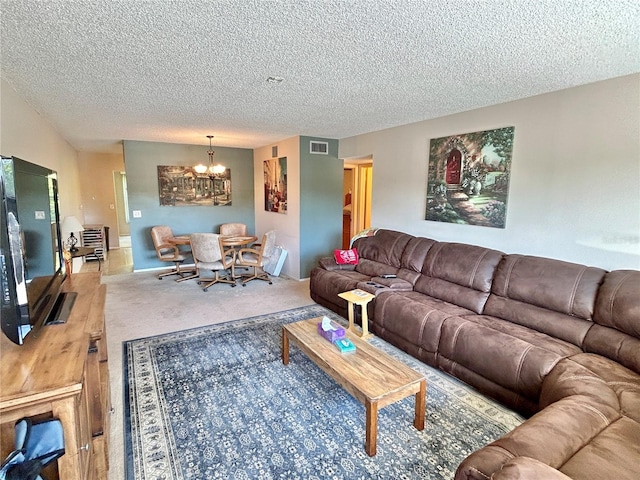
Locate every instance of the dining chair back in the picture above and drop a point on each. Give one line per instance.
(256, 258)
(229, 229)
(166, 251)
(209, 255)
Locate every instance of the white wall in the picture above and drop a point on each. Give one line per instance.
(286, 225)
(27, 135)
(575, 183)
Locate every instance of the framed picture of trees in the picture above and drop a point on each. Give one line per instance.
(468, 179)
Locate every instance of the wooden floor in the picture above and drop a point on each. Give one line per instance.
(118, 261)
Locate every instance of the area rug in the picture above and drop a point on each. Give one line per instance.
(217, 403)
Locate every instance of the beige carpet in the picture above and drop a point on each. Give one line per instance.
(139, 305)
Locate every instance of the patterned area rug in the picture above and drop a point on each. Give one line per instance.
(217, 402)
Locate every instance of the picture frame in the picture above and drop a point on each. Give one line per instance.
(468, 178)
(275, 185)
(181, 186)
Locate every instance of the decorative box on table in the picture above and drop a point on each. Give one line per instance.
(330, 331)
(345, 345)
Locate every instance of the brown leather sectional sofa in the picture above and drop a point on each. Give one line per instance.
(556, 341)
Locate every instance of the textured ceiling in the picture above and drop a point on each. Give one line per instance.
(175, 71)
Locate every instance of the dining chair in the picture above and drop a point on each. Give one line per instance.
(233, 229)
(256, 258)
(209, 255)
(166, 251)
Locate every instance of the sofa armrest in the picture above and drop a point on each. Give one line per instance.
(329, 263)
(526, 468)
(481, 464)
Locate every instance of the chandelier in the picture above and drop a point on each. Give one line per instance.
(211, 170)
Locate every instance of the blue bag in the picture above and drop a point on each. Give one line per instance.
(37, 444)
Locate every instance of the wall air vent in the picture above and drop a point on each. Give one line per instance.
(321, 148)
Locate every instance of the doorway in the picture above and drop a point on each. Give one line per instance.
(122, 203)
(357, 188)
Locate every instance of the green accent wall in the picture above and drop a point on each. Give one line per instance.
(141, 164)
(320, 203)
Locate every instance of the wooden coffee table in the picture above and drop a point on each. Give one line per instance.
(373, 377)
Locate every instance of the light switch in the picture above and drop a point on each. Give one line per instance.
(112, 206)
(40, 215)
(137, 214)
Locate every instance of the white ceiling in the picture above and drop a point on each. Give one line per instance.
(175, 71)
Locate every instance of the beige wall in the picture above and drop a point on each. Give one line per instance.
(29, 136)
(286, 225)
(98, 191)
(575, 184)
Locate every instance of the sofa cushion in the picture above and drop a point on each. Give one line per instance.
(614, 344)
(564, 287)
(412, 321)
(513, 356)
(459, 274)
(616, 333)
(413, 257)
(329, 263)
(385, 247)
(614, 453)
(551, 296)
(569, 378)
(618, 302)
(622, 383)
(372, 268)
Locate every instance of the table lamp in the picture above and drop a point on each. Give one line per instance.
(70, 225)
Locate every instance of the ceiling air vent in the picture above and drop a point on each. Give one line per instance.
(321, 148)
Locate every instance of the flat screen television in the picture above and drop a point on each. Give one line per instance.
(31, 257)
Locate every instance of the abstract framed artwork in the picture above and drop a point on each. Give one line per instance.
(275, 185)
(180, 186)
(468, 179)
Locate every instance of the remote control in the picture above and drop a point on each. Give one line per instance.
(388, 275)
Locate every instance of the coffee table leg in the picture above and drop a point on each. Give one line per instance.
(285, 347)
(372, 428)
(421, 405)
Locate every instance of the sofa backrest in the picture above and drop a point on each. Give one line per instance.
(551, 296)
(413, 258)
(382, 252)
(459, 273)
(616, 330)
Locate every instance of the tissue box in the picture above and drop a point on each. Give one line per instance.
(345, 345)
(331, 335)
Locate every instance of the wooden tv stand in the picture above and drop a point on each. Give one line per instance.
(62, 371)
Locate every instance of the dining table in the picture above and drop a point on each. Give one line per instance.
(180, 240)
(237, 240)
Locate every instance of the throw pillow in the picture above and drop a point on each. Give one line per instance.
(349, 257)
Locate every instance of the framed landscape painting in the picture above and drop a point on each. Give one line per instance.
(468, 179)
